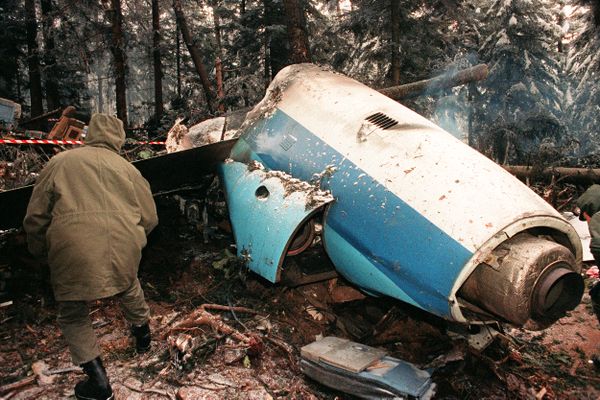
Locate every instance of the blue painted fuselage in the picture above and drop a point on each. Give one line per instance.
(374, 238)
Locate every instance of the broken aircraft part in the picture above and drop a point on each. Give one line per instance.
(10, 112)
(417, 213)
(164, 173)
(267, 212)
(363, 371)
(527, 280)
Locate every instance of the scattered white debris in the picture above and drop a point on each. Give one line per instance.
(314, 195)
(314, 313)
(207, 132)
(255, 165)
(177, 139)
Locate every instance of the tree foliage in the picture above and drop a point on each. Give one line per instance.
(541, 97)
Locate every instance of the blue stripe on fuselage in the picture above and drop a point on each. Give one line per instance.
(416, 255)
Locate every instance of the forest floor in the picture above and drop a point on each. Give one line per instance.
(253, 353)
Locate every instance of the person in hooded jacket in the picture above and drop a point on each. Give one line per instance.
(89, 215)
(589, 210)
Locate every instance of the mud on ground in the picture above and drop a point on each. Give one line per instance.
(253, 352)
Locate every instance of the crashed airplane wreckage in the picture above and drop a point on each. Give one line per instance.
(407, 210)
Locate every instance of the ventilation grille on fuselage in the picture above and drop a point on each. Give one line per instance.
(381, 120)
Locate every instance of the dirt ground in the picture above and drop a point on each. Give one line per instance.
(203, 352)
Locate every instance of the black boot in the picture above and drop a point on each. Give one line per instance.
(96, 386)
(142, 337)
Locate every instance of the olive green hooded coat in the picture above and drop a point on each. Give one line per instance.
(89, 214)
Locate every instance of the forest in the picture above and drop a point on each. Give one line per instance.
(153, 61)
(222, 330)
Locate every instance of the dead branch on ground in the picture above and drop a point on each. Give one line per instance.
(18, 385)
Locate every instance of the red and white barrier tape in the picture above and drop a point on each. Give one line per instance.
(48, 141)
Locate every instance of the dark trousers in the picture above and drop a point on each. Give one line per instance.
(76, 326)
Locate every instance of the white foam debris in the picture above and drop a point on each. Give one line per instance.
(177, 138)
(317, 178)
(314, 195)
(255, 165)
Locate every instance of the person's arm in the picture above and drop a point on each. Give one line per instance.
(39, 213)
(147, 206)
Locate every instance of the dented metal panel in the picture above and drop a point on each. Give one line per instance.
(266, 210)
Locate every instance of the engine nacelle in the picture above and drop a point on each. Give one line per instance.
(415, 214)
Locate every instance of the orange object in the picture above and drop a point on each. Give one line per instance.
(67, 128)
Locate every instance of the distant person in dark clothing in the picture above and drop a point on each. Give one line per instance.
(589, 206)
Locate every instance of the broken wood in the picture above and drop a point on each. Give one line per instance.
(202, 317)
(477, 73)
(565, 174)
(220, 91)
(18, 385)
(182, 346)
(287, 350)
(149, 390)
(61, 370)
(8, 395)
(41, 117)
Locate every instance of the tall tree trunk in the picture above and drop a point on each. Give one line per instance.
(395, 11)
(220, 91)
(18, 81)
(35, 80)
(243, 57)
(196, 55)
(178, 56)
(219, 61)
(100, 92)
(297, 31)
(217, 26)
(158, 94)
(277, 42)
(266, 60)
(117, 45)
(50, 73)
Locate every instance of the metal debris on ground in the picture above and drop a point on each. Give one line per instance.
(364, 371)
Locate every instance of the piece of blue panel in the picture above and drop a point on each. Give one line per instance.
(265, 210)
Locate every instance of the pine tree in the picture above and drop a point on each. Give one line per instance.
(519, 108)
(584, 66)
(12, 39)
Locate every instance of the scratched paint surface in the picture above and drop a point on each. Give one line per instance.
(391, 243)
(413, 203)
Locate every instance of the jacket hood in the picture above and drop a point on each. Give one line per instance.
(589, 201)
(105, 131)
